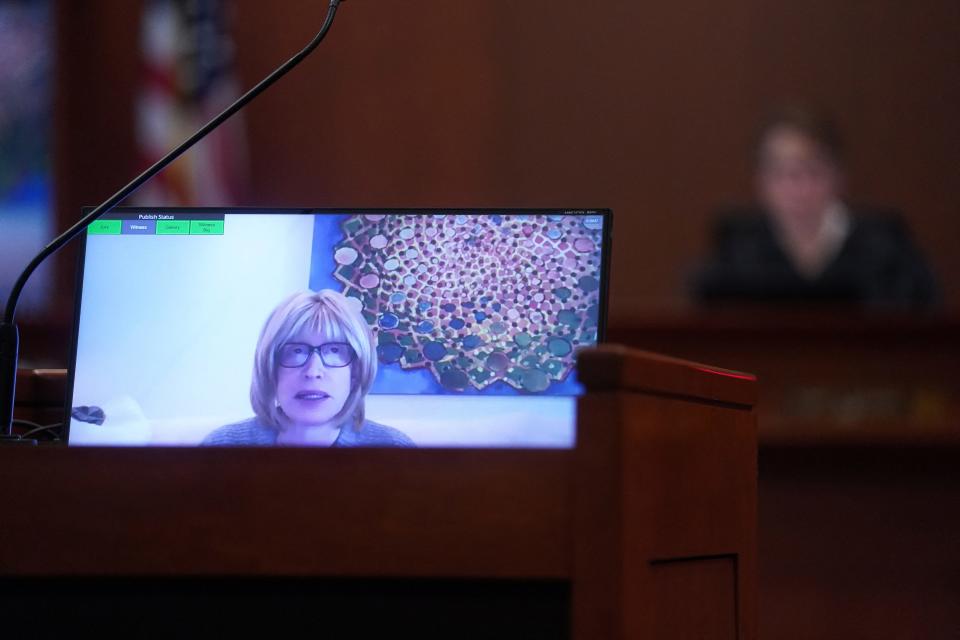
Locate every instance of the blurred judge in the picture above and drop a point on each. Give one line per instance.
(802, 242)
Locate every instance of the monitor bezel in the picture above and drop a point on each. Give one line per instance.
(606, 251)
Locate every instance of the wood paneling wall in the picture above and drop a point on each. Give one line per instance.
(647, 108)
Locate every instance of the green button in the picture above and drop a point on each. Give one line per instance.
(105, 227)
(173, 227)
(206, 227)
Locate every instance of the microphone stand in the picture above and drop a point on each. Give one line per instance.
(10, 336)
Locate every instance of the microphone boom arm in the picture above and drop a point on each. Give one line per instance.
(9, 336)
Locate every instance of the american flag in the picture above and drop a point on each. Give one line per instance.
(188, 78)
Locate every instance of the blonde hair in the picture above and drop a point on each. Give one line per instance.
(337, 319)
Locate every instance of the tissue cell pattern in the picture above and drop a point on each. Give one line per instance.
(476, 299)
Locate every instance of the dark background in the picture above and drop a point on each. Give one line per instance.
(646, 108)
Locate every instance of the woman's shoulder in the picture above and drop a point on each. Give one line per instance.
(247, 432)
(373, 434)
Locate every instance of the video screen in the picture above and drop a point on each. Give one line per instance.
(353, 328)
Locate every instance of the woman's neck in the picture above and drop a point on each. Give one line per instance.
(323, 435)
(811, 248)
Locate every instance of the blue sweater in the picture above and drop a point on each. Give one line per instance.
(252, 433)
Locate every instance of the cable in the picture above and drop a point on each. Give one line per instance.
(26, 423)
(37, 428)
(41, 428)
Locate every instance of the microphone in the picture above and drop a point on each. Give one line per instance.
(9, 334)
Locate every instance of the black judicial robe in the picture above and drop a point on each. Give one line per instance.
(877, 266)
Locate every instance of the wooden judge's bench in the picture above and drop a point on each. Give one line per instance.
(859, 440)
(646, 529)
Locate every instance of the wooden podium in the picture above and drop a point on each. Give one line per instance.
(646, 529)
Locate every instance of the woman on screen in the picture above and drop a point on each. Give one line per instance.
(314, 364)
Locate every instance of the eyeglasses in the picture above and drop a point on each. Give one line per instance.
(332, 354)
